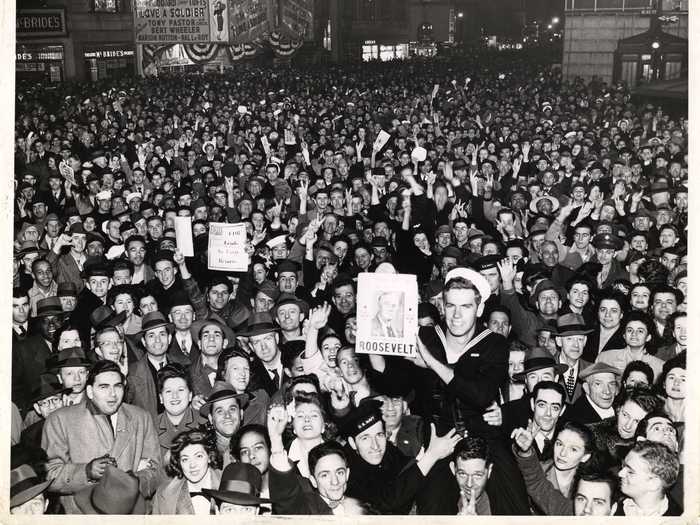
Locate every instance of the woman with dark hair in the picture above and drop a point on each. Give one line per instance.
(308, 426)
(193, 466)
(251, 444)
(67, 336)
(637, 373)
(550, 485)
(122, 298)
(671, 386)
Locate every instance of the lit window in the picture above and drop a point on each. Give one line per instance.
(327, 38)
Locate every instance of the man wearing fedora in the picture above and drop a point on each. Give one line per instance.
(539, 366)
(601, 384)
(224, 409)
(71, 368)
(27, 491)
(571, 339)
(82, 440)
(290, 312)
(47, 397)
(263, 338)
(239, 490)
(68, 267)
(546, 298)
(155, 338)
(183, 346)
(29, 356)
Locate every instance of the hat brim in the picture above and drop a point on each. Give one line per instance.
(46, 395)
(259, 331)
(205, 409)
(71, 362)
(554, 201)
(303, 306)
(237, 498)
(575, 331)
(168, 325)
(51, 312)
(83, 498)
(28, 494)
(559, 368)
(114, 321)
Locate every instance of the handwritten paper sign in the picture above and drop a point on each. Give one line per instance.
(387, 314)
(226, 250)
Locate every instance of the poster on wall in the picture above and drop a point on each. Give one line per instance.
(218, 21)
(249, 20)
(173, 21)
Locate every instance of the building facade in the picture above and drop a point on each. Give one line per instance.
(60, 40)
(620, 40)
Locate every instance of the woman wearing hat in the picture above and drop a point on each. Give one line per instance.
(194, 467)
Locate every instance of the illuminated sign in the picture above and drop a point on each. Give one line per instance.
(108, 53)
(39, 53)
(32, 23)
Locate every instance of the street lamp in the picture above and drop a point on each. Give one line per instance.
(460, 15)
(655, 45)
(555, 20)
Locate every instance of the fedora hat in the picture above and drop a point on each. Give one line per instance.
(49, 306)
(48, 387)
(259, 323)
(571, 324)
(537, 359)
(95, 266)
(153, 320)
(222, 390)
(270, 289)
(197, 326)
(116, 493)
(25, 485)
(26, 248)
(288, 298)
(240, 484)
(599, 368)
(68, 357)
(543, 286)
(104, 316)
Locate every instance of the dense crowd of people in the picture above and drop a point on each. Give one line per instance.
(545, 221)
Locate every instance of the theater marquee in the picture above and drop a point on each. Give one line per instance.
(37, 23)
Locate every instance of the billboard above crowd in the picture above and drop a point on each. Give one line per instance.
(220, 21)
